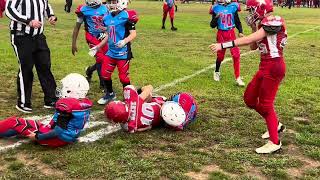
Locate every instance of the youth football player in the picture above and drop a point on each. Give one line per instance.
(270, 36)
(121, 31)
(225, 18)
(141, 111)
(72, 113)
(91, 14)
(169, 6)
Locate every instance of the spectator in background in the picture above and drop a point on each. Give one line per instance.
(2, 7)
(67, 7)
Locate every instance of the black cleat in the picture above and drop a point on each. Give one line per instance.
(174, 28)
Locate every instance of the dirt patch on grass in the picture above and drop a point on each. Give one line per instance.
(308, 163)
(255, 173)
(204, 173)
(43, 168)
(153, 153)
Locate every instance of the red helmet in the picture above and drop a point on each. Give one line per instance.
(117, 112)
(257, 10)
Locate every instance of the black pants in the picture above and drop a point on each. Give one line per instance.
(68, 5)
(33, 51)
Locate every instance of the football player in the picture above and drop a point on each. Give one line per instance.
(2, 7)
(141, 111)
(270, 36)
(91, 14)
(169, 6)
(72, 113)
(225, 18)
(120, 25)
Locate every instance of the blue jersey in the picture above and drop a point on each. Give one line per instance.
(226, 19)
(118, 27)
(170, 3)
(93, 18)
(70, 130)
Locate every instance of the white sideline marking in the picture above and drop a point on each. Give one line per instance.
(96, 135)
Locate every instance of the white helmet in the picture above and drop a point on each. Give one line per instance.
(118, 5)
(93, 3)
(74, 85)
(173, 114)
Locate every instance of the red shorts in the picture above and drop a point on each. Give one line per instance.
(108, 66)
(225, 36)
(166, 9)
(93, 41)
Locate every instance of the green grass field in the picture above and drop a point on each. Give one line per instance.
(220, 145)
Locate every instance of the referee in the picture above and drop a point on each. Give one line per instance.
(30, 46)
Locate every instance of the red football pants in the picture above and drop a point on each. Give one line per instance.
(261, 92)
(225, 36)
(93, 41)
(108, 66)
(23, 128)
(166, 10)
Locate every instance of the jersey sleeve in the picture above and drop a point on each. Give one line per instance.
(211, 10)
(79, 12)
(64, 105)
(132, 16)
(272, 25)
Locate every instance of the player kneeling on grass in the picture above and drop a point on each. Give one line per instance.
(270, 36)
(121, 30)
(225, 17)
(72, 113)
(141, 111)
(91, 14)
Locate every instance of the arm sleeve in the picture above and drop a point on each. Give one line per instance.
(48, 135)
(238, 22)
(13, 13)
(214, 20)
(131, 25)
(49, 11)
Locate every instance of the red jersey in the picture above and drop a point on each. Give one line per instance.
(272, 45)
(142, 115)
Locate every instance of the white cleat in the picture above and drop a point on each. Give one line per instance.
(269, 148)
(240, 82)
(281, 128)
(216, 76)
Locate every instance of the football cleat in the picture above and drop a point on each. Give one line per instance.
(174, 28)
(240, 82)
(281, 128)
(24, 109)
(216, 76)
(269, 148)
(106, 98)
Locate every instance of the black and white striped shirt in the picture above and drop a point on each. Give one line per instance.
(21, 12)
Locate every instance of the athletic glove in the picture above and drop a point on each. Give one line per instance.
(93, 51)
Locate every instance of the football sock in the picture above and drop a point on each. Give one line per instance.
(171, 20)
(218, 63)
(108, 86)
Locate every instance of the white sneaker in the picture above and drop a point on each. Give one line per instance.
(106, 98)
(216, 76)
(269, 148)
(281, 128)
(240, 82)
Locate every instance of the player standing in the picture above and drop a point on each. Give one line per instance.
(270, 36)
(72, 113)
(169, 6)
(121, 30)
(91, 15)
(225, 17)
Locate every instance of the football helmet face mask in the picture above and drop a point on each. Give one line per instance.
(93, 3)
(173, 114)
(221, 2)
(73, 85)
(117, 112)
(118, 5)
(257, 10)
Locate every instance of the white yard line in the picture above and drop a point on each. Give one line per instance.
(96, 135)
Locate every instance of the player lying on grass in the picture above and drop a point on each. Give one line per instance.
(225, 18)
(72, 113)
(91, 14)
(141, 111)
(270, 36)
(121, 31)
